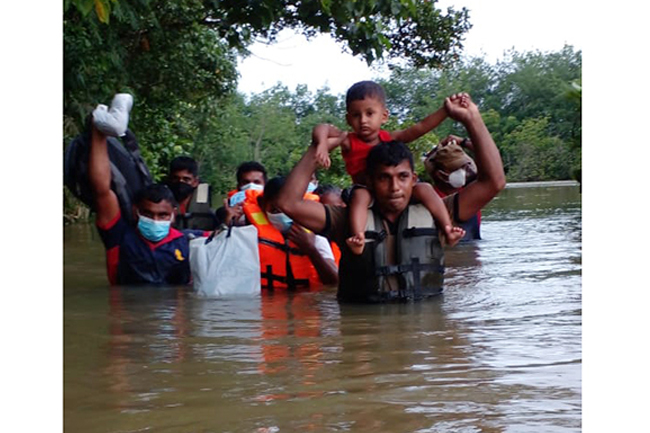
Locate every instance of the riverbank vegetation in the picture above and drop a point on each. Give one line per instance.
(178, 59)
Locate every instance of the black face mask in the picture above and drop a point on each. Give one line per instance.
(181, 190)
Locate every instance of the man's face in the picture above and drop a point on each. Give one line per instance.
(365, 117)
(184, 176)
(392, 187)
(256, 177)
(161, 211)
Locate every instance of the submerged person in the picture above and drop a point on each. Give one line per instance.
(366, 113)
(193, 196)
(152, 252)
(403, 259)
(290, 256)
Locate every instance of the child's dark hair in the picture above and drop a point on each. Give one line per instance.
(363, 90)
(248, 166)
(388, 153)
(184, 163)
(155, 193)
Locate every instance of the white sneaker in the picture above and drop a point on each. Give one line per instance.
(114, 121)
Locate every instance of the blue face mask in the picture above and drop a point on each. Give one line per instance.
(153, 230)
(312, 187)
(280, 221)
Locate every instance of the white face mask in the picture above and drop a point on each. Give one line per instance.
(253, 186)
(457, 178)
(240, 195)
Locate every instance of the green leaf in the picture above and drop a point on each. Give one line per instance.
(84, 6)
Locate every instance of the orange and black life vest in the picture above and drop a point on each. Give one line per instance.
(282, 263)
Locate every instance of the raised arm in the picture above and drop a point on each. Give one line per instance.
(491, 179)
(308, 213)
(99, 174)
(422, 127)
(325, 138)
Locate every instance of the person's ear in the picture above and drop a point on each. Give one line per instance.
(347, 119)
(384, 116)
(134, 212)
(195, 182)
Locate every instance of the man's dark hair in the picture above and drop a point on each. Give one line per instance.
(248, 166)
(155, 193)
(363, 90)
(184, 163)
(388, 153)
(272, 188)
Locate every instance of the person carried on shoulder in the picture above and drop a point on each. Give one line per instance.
(403, 259)
(366, 113)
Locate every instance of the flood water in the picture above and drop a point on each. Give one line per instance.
(499, 351)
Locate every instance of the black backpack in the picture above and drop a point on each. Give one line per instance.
(129, 173)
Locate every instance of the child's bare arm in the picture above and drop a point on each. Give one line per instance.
(325, 138)
(422, 127)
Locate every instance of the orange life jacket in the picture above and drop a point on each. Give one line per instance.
(337, 252)
(282, 264)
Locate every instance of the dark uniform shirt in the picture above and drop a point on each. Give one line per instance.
(132, 259)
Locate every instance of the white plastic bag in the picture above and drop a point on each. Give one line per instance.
(228, 265)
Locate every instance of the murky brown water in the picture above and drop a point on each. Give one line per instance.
(500, 351)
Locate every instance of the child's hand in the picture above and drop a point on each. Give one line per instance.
(322, 156)
(465, 100)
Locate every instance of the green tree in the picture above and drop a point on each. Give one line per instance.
(178, 58)
(373, 29)
(530, 152)
(535, 84)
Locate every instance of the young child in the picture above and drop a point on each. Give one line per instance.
(366, 113)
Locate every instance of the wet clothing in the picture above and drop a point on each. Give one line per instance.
(198, 214)
(132, 259)
(355, 158)
(401, 261)
(472, 226)
(282, 264)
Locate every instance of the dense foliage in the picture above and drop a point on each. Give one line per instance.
(530, 102)
(178, 59)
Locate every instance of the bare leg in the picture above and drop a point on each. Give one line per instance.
(426, 195)
(359, 203)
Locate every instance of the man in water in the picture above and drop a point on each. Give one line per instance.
(193, 196)
(152, 252)
(290, 256)
(403, 258)
(250, 175)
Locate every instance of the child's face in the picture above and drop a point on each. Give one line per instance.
(366, 117)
